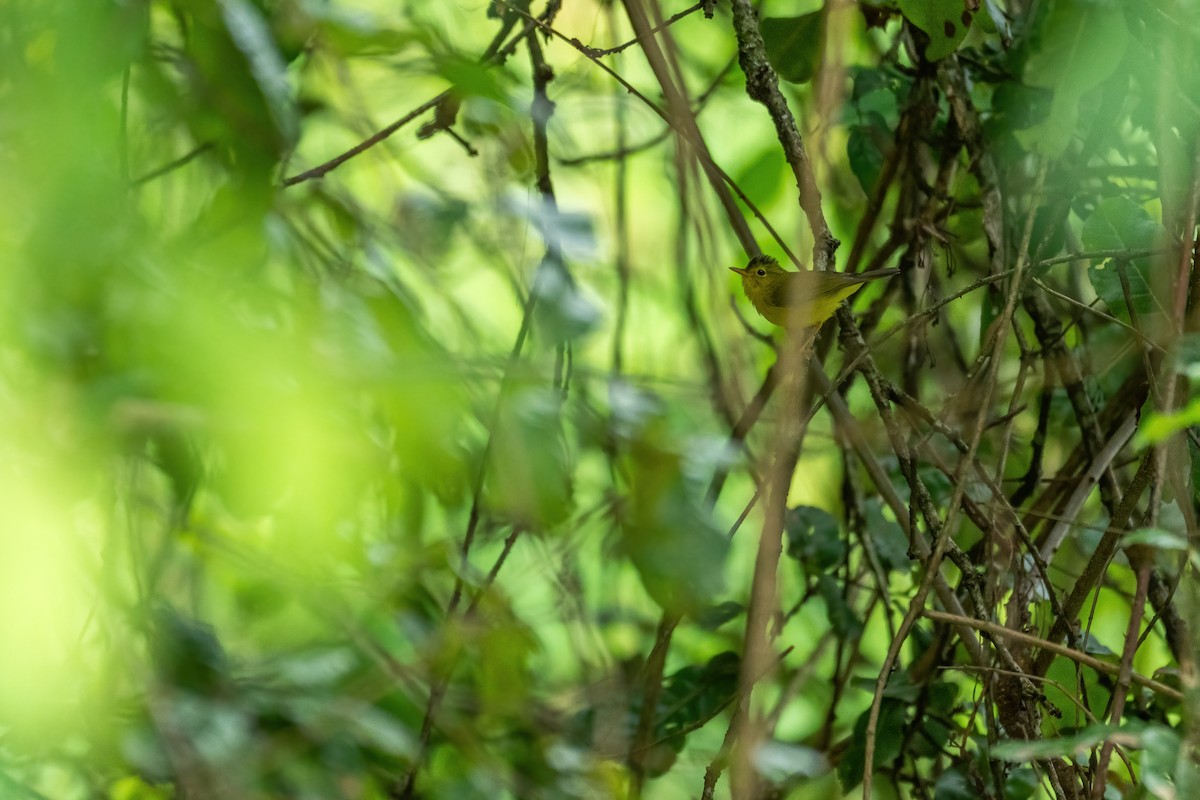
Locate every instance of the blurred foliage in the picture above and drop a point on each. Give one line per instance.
(421, 472)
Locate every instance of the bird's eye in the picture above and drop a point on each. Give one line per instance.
(762, 273)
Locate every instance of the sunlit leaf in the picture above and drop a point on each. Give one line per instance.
(945, 22)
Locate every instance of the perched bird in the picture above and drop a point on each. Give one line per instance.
(799, 299)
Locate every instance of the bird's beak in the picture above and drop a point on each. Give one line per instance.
(739, 270)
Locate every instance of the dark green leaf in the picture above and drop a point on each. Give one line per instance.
(714, 617)
(814, 538)
(1022, 783)
(865, 151)
(887, 536)
(842, 618)
(888, 740)
(953, 784)
(1120, 224)
(794, 44)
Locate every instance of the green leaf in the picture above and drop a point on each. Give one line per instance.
(252, 37)
(714, 617)
(528, 482)
(666, 529)
(1158, 427)
(794, 44)
(1157, 538)
(954, 785)
(1121, 224)
(564, 311)
(696, 694)
(814, 538)
(864, 148)
(946, 22)
(779, 762)
(888, 537)
(1021, 784)
(841, 616)
(889, 738)
(1078, 745)
(1082, 44)
(763, 177)
(1186, 357)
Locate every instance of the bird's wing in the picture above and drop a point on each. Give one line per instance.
(797, 289)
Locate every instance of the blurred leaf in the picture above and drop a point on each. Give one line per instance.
(250, 32)
(887, 537)
(779, 762)
(470, 78)
(814, 538)
(1157, 538)
(187, 653)
(1120, 224)
(1080, 44)
(762, 178)
(430, 223)
(1161, 763)
(865, 149)
(1021, 784)
(667, 530)
(1160, 427)
(1186, 356)
(132, 787)
(714, 617)
(946, 22)
(563, 312)
(1093, 646)
(794, 44)
(1075, 746)
(693, 695)
(888, 740)
(528, 479)
(954, 785)
(842, 618)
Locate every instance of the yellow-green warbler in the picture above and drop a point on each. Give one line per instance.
(799, 299)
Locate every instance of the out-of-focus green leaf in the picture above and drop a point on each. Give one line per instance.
(252, 36)
(1157, 538)
(842, 618)
(865, 148)
(1121, 224)
(1077, 745)
(715, 616)
(666, 529)
(564, 311)
(1021, 784)
(953, 784)
(1080, 44)
(694, 695)
(887, 537)
(946, 22)
(794, 44)
(528, 478)
(779, 762)
(888, 739)
(1158, 427)
(763, 177)
(1186, 356)
(814, 538)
